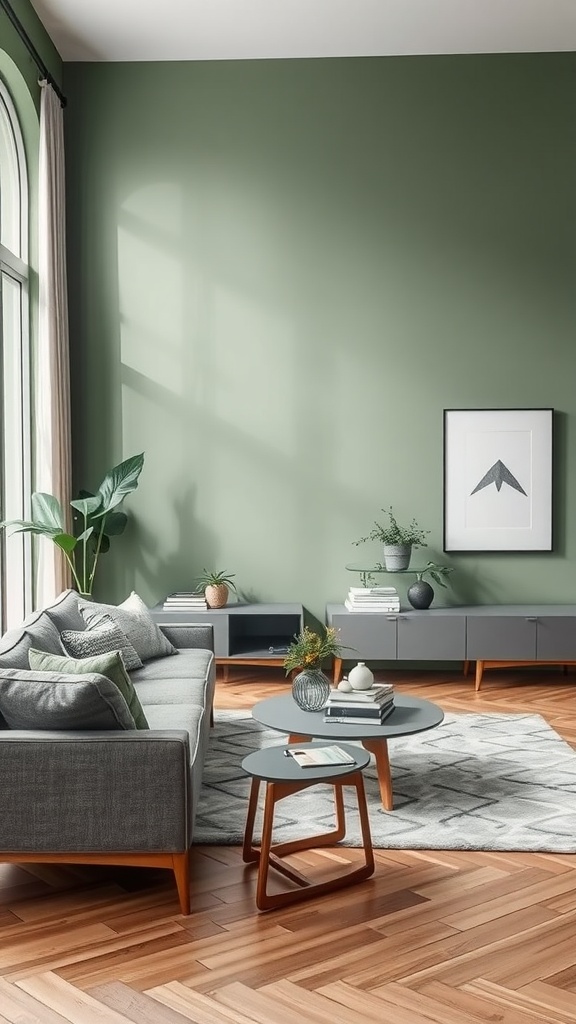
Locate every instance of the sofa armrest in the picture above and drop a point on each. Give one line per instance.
(95, 791)
(198, 635)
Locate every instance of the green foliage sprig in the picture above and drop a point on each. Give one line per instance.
(309, 649)
(393, 533)
(436, 572)
(216, 579)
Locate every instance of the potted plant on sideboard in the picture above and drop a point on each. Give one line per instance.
(398, 540)
(216, 586)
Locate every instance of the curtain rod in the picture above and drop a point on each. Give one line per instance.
(4, 4)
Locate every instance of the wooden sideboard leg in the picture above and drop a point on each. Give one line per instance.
(479, 674)
(466, 668)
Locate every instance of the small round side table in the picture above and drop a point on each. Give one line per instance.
(283, 777)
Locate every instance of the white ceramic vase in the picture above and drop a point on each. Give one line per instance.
(360, 677)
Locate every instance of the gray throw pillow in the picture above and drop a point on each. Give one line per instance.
(53, 700)
(101, 636)
(134, 619)
(110, 665)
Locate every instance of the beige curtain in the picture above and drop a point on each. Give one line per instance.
(52, 377)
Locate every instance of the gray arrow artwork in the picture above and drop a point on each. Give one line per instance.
(499, 474)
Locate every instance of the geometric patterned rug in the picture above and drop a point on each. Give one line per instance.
(476, 782)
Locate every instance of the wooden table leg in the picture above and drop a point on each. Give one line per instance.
(380, 750)
(337, 671)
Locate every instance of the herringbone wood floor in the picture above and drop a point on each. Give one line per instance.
(442, 936)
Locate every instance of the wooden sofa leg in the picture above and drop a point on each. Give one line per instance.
(181, 869)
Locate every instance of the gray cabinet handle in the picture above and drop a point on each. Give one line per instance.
(531, 618)
(392, 618)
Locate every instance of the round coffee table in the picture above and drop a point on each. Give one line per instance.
(410, 715)
(283, 777)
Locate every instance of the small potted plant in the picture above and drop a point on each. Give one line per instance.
(216, 586)
(398, 540)
(420, 593)
(306, 653)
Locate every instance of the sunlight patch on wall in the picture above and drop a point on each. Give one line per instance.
(151, 284)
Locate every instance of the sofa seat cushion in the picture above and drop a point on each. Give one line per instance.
(110, 664)
(135, 620)
(178, 716)
(51, 700)
(188, 679)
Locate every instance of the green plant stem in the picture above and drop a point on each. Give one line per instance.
(73, 571)
(96, 553)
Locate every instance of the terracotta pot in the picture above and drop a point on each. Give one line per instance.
(216, 595)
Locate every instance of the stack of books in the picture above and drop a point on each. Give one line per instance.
(359, 707)
(185, 602)
(373, 599)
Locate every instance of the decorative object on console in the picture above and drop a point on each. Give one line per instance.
(398, 540)
(96, 519)
(361, 677)
(421, 593)
(373, 599)
(311, 688)
(498, 479)
(185, 602)
(217, 586)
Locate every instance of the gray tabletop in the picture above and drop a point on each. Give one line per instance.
(272, 764)
(411, 714)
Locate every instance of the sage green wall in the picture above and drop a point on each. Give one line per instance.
(281, 272)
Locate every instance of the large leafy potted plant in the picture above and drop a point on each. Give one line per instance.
(398, 540)
(96, 518)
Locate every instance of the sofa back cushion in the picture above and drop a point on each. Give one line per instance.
(64, 611)
(30, 699)
(134, 619)
(36, 631)
(110, 665)
(100, 636)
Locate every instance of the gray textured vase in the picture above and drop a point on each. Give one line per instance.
(397, 556)
(420, 594)
(311, 689)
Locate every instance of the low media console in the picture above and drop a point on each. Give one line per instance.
(493, 636)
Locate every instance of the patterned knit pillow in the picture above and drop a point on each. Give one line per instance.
(100, 637)
(134, 619)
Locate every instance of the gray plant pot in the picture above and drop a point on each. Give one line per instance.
(397, 556)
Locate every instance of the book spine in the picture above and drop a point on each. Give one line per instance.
(347, 712)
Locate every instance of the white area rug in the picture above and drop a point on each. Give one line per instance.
(476, 782)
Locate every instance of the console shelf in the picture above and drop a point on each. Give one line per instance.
(244, 634)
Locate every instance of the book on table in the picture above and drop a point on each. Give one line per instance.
(350, 717)
(377, 694)
(374, 711)
(320, 757)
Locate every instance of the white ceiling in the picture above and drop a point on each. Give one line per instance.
(119, 30)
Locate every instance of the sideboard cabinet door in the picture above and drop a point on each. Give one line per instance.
(366, 637)
(556, 638)
(501, 637)
(422, 637)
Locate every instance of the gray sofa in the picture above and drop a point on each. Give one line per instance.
(111, 796)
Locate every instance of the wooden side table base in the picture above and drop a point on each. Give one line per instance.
(269, 855)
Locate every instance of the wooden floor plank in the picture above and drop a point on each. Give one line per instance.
(434, 937)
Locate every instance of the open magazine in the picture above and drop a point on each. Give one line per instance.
(319, 757)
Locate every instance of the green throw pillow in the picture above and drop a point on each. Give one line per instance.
(109, 665)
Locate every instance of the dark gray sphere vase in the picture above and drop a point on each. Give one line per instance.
(420, 594)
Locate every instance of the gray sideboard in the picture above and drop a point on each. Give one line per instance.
(491, 635)
(243, 633)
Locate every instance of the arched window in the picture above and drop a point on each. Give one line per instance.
(15, 432)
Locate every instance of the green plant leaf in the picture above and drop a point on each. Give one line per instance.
(87, 506)
(47, 512)
(119, 482)
(115, 523)
(65, 541)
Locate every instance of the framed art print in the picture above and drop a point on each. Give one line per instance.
(498, 479)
